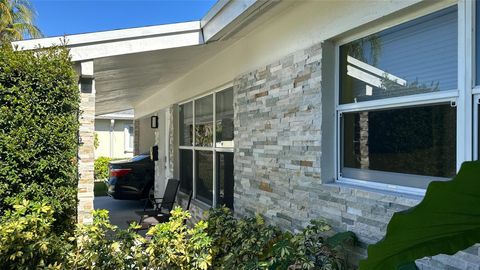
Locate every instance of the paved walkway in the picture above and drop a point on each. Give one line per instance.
(120, 211)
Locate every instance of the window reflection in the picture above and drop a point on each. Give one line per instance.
(225, 179)
(204, 169)
(224, 118)
(186, 170)
(204, 121)
(186, 124)
(417, 140)
(419, 56)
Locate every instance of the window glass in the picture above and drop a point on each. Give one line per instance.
(186, 124)
(204, 121)
(225, 179)
(224, 118)
(416, 57)
(204, 169)
(417, 141)
(186, 170)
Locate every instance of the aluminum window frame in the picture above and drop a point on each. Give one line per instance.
(213, 149)
(476, 135)
(460, 97)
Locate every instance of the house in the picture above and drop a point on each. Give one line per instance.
(114, 135)
(343, 110)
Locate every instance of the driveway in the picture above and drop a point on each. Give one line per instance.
(120, 211)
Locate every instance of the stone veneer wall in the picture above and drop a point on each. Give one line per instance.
(278, 139)
(86, 156)
(136, 137)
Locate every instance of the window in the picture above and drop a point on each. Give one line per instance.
(128, 137)
(397, 115)
(206, 148)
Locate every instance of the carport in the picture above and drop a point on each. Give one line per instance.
(122, 69)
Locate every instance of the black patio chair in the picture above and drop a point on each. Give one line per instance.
(161, 206)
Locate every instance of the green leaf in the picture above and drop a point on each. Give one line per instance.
(341, 239)
(445, 222)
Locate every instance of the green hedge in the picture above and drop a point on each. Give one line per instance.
(39, 106)
(101, 167)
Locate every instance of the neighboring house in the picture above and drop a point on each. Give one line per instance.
(297, 110)
(114, 134)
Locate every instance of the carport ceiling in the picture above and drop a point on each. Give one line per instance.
(123, 81)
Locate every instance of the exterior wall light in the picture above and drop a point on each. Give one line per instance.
(154, 121)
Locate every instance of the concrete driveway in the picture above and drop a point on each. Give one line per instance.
(120, 211)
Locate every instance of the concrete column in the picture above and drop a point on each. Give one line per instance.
(86, 149)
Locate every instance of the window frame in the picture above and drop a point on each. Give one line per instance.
(126, 137)
(214, 149)
(461, 97)
(476, 135)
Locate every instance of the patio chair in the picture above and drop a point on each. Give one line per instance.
(161, 206)
(153, 220)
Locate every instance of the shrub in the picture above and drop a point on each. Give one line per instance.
(102, 245)
(249, 243)
(27, 238)
(175, 246)
(172, 245)
(39, 107)
(101, 167)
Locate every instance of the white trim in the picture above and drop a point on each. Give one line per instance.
(215, 191)
(476, 136)
(382, 186)
(120, 42)
(476, 90)
(194, 156)
(410, 100)
(464, 102)
(224, 150)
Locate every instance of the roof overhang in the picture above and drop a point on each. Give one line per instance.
(132, 64)
(121, 42)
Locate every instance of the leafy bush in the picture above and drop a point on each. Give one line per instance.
(102, 246)
(27, 238)
(249, 243)
(39, 107)
(173, 244)
(239, 243)
(28, 241)
(101, 167)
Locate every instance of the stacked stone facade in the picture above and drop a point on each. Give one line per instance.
(278, 157)
(86, 157)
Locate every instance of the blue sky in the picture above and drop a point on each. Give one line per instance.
(59, 17)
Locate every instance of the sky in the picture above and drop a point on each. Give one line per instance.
(60, 17)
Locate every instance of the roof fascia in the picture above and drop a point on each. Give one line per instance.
(120, 42)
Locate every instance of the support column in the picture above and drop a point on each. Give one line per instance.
(86, 148)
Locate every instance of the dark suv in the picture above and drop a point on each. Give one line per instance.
(131, 179)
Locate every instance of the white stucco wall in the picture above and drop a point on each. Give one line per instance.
(146, 135)
(303, 24)
(102, 129)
